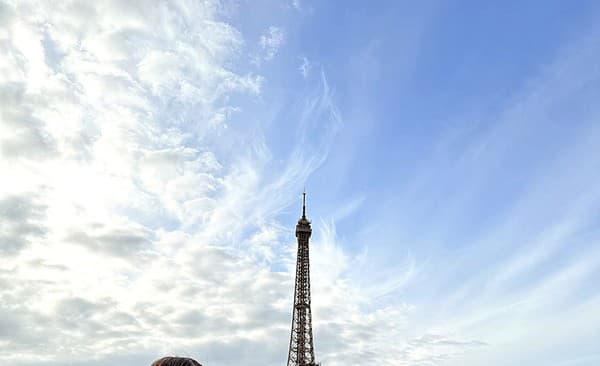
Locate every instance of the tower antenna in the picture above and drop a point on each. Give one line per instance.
(304, 203)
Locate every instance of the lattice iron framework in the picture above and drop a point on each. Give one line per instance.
(302, 352)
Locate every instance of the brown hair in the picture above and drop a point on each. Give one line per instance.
(175, 361)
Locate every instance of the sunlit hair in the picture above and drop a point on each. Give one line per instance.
(175, 361)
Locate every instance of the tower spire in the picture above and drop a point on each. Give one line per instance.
(304, 204)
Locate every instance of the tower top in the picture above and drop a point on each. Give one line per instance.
(303, 222)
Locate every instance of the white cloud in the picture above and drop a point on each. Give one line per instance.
(270, 42)
(22, 220)
(103, 131)
(305, 67)
(302, 6)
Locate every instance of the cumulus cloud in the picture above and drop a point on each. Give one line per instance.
(108, 109)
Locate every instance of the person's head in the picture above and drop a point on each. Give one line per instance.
(175, 361)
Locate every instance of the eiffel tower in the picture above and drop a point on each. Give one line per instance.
(302, 351)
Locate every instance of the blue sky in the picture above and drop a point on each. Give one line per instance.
(156, 152)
